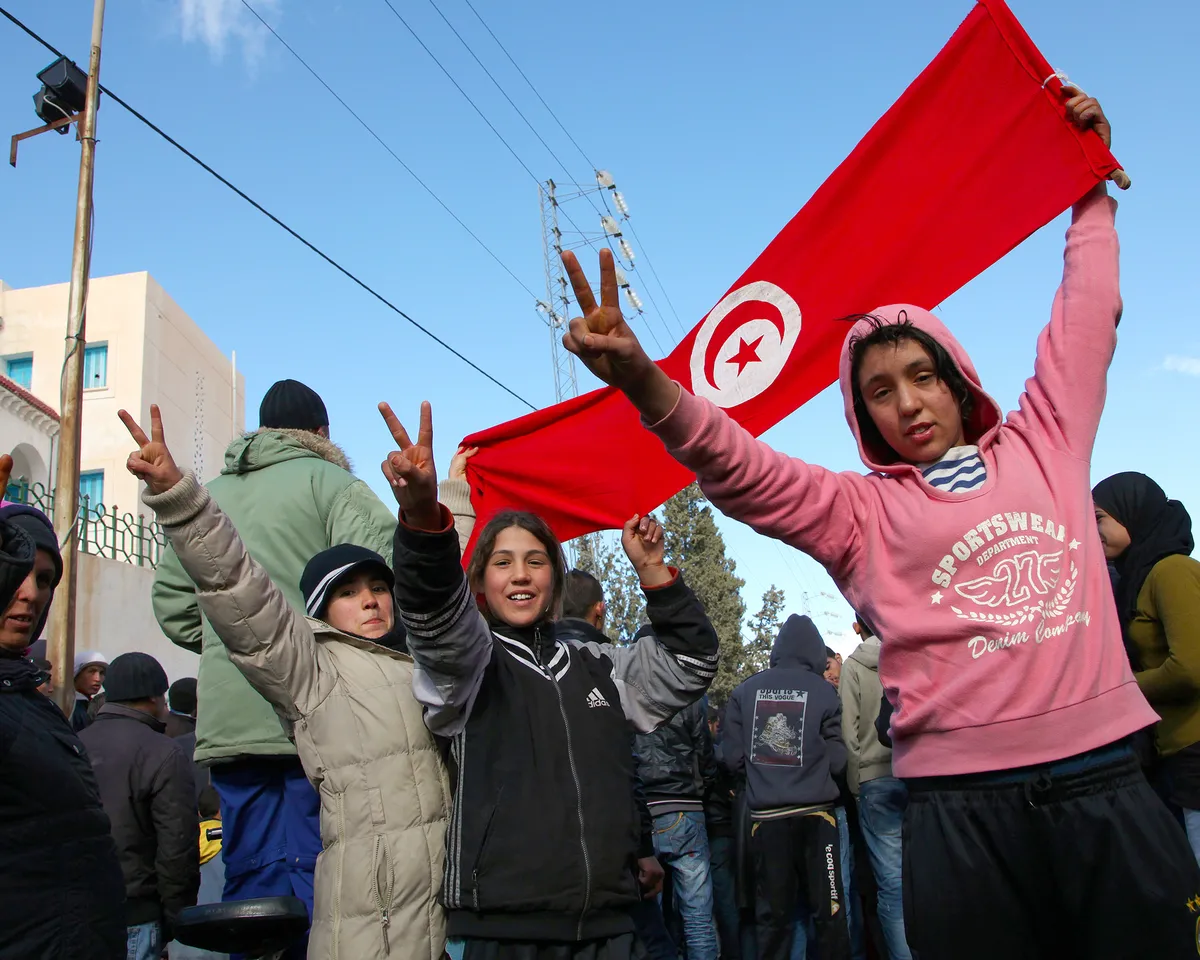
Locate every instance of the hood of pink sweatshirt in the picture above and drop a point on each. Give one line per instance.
(986, 417)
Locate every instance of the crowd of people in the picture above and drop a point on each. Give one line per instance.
(444, 760)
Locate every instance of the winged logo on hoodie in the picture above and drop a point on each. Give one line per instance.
(1015, 580)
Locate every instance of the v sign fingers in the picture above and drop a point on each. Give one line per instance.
(152, 461)
(410, 470)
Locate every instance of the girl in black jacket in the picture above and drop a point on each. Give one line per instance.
(542, 844)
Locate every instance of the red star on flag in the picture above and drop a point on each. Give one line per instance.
(747, 353)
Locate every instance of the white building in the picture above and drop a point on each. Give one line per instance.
(29, 429)
(141, 349)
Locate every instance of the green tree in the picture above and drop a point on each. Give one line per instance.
(604, 559)
(695, 545)
(764, 627)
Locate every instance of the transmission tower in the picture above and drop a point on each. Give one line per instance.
(557, 306)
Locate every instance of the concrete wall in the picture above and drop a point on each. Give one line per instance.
(113, 615)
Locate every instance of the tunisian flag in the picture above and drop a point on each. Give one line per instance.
(931, 196)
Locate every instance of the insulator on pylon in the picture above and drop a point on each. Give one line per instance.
(610, 226)
(621, 279)
(634, 298)
(621, 204)
(604, 178)
(626, 249)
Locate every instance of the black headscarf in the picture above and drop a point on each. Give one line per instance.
(1157, 527)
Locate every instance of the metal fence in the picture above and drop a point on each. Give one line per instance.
(103, 532)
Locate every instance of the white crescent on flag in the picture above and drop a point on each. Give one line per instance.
(731, 366)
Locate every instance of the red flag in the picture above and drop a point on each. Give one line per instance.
(931, 196)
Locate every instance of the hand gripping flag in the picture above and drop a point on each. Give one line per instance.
(931, 197)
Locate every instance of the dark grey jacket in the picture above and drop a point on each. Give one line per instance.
(146, 785)
(676, 762)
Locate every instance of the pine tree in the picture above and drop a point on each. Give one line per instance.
(695, 545)
(764, 627)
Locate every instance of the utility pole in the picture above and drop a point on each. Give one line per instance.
(61, 643)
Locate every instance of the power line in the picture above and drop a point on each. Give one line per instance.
(582, 153)
(366, 126)
(530, 83)
(267, 213)
(466, 95)
(586, 238)
(496, 83)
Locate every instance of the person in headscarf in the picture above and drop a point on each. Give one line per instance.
(1148, 540)
(61, 891)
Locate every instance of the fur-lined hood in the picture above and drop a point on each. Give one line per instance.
(269, 445)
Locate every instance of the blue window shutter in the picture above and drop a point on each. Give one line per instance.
(95, 366)
(20, 371)
(91, 485)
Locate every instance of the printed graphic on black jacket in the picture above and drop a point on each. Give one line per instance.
(779, 727)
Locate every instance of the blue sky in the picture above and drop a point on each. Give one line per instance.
(717, 120)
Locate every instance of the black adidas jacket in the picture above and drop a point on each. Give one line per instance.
(543, 836)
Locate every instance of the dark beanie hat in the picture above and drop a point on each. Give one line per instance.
(37, 526)
(291, 405)
(182, 696)
(134, 676)
(329, 566)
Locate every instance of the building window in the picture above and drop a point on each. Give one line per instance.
(91, 485)
(19, 370)
(95, 366)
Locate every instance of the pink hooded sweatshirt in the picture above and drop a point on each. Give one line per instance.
(1001, 645)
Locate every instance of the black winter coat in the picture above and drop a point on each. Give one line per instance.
(146, 786)
(61, 895)
(676, 760)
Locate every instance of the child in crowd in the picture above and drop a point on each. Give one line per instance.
(541, 852)
(342, 684)
(971, 546)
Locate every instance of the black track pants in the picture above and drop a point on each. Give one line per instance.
(1083, 865)
(797, 860)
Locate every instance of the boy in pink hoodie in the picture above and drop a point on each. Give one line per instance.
(1030, 831)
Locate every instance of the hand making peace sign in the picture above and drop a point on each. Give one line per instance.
(152, 461)
(410, 470)
(609, 348)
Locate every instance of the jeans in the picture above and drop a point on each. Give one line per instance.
(881, 804)
(651, 930)
(681, 842)
(1191, 823)
(271, 818)
(143, 942)
(725, 908)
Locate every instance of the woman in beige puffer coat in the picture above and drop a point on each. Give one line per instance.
(348, 702)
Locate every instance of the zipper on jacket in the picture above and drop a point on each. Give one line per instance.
(483, 844)
(587, 863)
(337, 889)
(383, 898)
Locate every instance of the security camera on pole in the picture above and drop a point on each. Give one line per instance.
(61, 638)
